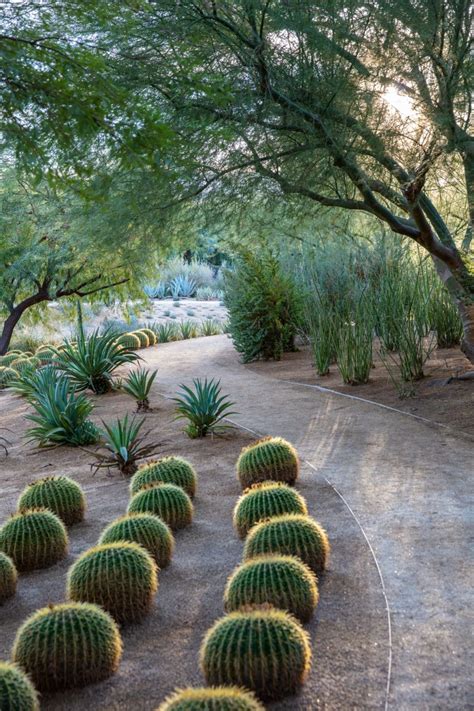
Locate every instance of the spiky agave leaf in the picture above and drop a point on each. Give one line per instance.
(138, 385)
(203, 406)
(124, 446)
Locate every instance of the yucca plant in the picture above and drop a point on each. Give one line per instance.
(62, 416)
(138, 384)
(91, 361)
(124, 446)
(203, 406)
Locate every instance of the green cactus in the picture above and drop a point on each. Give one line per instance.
(221, 698)
(282, 581)
(146, 529)
(270, 458)
(152, 339)
(128, 340)
(7, 374)
(34, 539)
(68, 645)
(266, 500)
(59, 494)
(263, 649)
(17, 693)
(143, 338)
(120, 577)
(8, 358)
(291, 534)
(24, 365)
(167, 501)
(8, 578)
(168, 470)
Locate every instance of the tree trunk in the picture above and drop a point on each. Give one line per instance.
(15, 315)
(464, 301)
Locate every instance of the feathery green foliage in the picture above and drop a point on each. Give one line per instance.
(138, 384)
(203, 406)
(269, 458)
(221, 698)
(282, 581)
(17, 693)
(167, 470)
(167, 501)
(265, 650)
(67, 645)
(34, 539)
(59, 494)
(266, 500)
(120, 577)
(291, 534)
(146, 529)
(124, 446)
(8, 579)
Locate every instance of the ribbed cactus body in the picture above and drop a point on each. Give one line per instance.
(151, 335)
(67, 645)
(17, 693)
(265, 650)
(8, 578)
(59, 494)
(291, 534)
(167, 501)
(146, 529)
(270, 458)
(129, 340)
(144, 340)
(223, 698)
(168, 470)
(34, 539)
(282, 581)
(120, 577)
(266, 500)
(7, 374)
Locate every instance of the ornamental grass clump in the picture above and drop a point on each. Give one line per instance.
(17, 693)
(34, 539)
(167, 501)
(291, 534)
(120, 577)
(167, 470)
(8, 579)
(264, 650)
(59, 494)
(282, 581)
(270, 458)
(146, 529)
(68, 645)
(266, 500)
(220, 698)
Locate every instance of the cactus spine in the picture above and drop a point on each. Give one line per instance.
(152, 339)
(282, 581)
(67, 645)
(34, 539)
(168, 470)
(167, 501)
(146, 529)
(266, 500)
(221, 698)
(291, 534)
(59, 494)
(17, 693)
(120, 577)
(265, 650)
(270, 458)
(8, 578)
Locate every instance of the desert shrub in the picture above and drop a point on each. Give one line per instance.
(353, 338)
(263, 308)
(167, 470)
(282, 581)
(68, 645)
(444, 318)
(290, 534)
(124, 446)
(120, 577)
(204, 407)
(167, 501)
(8, 578)
(61, 495)
(270, 458)
(138, 384)
(221, 698)
(274, 660)
(34, 539)
(266, 500)
(17, 693)
(146, 529)
(198, 271)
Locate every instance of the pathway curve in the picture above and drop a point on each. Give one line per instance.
(405, 486)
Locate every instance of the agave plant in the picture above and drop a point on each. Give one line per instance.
(188, 329)
(138, 384)
(156, 291)
(32, 384)
(124, 446)
(182, 286)
(166, 332)
(90, 362)
(61, 416)
(210, 327)
(203, 406)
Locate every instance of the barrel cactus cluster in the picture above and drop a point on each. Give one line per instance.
(17, 693)
(142, 338)
(146, 529)
(59, 494)
(168, 470)
(168, 501)
(35, 538)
